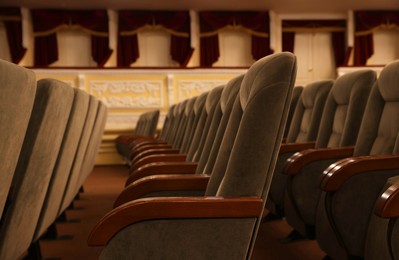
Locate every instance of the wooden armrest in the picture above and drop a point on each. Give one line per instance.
(162, 168)
(387, 205)
(145, 147)
(144, 139)
(159, 158)
(168, 182)
(136, 157)
(172, 208)
(305, 157)
(335, 175)
(295, 147)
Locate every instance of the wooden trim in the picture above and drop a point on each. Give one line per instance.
(162, 168)
(295, 147)
(335, 175)
(172, 208)
(158, 158)
(300, 159)
(149, 152)
(168, 182)
(387, 205)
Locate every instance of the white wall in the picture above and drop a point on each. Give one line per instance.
(386, 47)
(4, 49)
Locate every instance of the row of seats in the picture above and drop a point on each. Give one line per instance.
(332, 170)
(207, 154)
(50, 134)
(146, 126)
(326, 186)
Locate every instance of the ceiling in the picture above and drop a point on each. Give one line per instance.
(281, 6)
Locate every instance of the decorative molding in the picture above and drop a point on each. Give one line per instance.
(128, 93)
(126, 121)
(191, 88)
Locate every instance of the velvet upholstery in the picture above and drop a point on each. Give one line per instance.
(342, 235)
(260, 113)
(70, 188)
(17, 93)
(304, 128)
(339, 127)
(35, 166)
(63, 166)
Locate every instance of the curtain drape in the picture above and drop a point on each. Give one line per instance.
(335, 27)
(365, 23)
(176, 23)
(11, 17)
(255, 23)
(46, 23)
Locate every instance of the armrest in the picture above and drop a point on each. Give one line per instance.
(335, 175)
(159, 158)
(387, 205)
(166, 182)
(295, 147)
(305, 157)
(172, 208)
(135, 157)
(162, 168)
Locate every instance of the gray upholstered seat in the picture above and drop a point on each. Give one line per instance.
(35, 166)
(71, 184)
(351, 186)
(339, 127)
(194, 184)
(17, 94)
(64, 163)
(224, 224)
(302, 134)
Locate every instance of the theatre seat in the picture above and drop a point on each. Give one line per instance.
(186, 184)
(337, 135)
(351, 186)
(35, 165)
(17, 94)
(302, 135)
(224, 224)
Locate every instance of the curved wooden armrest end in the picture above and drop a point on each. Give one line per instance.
(167, 182)
(300, 159)
(387, 205)
(336, 174)
(172, 208)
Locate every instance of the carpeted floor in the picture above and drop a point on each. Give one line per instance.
(100, 191)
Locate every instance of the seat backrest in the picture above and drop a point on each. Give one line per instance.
(93, 146)
(186, 109)
(65, 160)
(254, 133)
(166, 124)
(17, 94)
(35, 166)
(379, 127)
(193, 121)
(204, 122)
(70, 187)
(218, 127)
(152, 123)
(296, 94)
(344, 108)
(306, 119)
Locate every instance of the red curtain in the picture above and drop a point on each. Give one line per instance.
(11, 17)
(47, 22)
(336, 27)
(211, 22)
(177, 23)
(365, 22)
